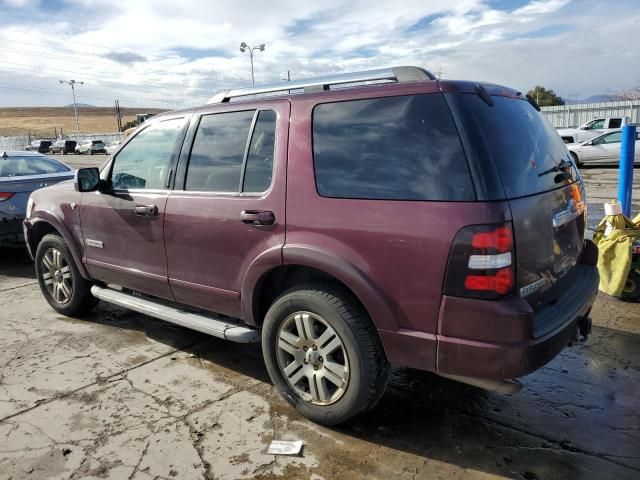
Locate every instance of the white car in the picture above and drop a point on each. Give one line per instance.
(112, 147)
(602, 149)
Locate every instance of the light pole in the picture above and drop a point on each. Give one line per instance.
(73, 83)
(244, 47)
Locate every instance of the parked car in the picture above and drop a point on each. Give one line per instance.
(90, 147)
(592, 129)
(20, 174)
(604, 149)
(112, 147)
(426, 223)
(63, 147)
(40, 146)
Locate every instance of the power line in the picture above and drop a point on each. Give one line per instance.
(30, 88)
(104, 47)
(101, 79)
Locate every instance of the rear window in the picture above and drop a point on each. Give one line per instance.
(393, 148)
(97, 142)
(23, 166)
(517, 138)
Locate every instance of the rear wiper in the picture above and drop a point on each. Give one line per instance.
(562, 166)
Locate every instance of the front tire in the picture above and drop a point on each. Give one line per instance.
(60, 281)
(323, 353)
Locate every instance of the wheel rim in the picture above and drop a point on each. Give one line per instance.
(56, 275)
(313, 358)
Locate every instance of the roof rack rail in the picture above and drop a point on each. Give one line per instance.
(318, 84)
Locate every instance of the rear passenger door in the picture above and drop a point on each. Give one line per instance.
(228, 204)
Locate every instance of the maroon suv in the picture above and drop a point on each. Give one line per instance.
(347, 222)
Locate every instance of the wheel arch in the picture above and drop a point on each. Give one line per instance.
(45, 223)
(302, 264)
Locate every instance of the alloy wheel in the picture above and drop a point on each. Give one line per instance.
(56, 275)
(313, 358)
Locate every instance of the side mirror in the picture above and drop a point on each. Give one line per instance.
(87, 179)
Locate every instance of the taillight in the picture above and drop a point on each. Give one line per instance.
(481, 262)
(5, 196)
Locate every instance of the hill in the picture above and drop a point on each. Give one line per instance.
(41, 121)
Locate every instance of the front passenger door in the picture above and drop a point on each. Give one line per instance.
(122, 226)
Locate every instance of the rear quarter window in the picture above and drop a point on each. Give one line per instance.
(393, 148)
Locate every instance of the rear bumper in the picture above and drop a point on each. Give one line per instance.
(11, 231)
(523, 341)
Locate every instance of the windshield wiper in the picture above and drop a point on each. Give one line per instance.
(562, 166)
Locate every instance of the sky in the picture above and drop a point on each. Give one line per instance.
(173, 54)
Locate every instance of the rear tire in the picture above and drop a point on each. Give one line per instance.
(323, 354)
(60, 281)
(576, 160)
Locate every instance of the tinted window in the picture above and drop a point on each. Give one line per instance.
(22, 166)
(400, 148)
(218, 151)
(518, 139)
(257, 177)
(145, 161)
(615, 122)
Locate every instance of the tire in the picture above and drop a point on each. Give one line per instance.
(359, 369)
(576, 160)
(60, 281)
(631, 290)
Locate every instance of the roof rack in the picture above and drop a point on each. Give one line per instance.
(319, 84)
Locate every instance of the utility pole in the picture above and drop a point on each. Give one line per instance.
(243, 48)
(73, 83)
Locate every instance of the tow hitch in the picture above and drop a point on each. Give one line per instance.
(583, 329)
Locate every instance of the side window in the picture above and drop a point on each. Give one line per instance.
(145, 161)
(259, 169)
(218, 150)
(613, 138)
(615, 122)
(595, 124)
(397, 148)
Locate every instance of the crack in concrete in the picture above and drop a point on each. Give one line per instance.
(142, 455)
(96, 382)
(559, 444)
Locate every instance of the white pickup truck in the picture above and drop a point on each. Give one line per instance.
(592, 129)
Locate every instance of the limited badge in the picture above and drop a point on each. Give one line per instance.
(532, 287)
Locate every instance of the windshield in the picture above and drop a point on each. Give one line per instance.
(23, 166)
(518, 139)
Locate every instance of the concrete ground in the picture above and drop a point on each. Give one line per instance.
(120, 395)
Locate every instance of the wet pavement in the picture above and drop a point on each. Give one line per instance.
(120, 395)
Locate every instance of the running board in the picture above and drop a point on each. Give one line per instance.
(201, 323)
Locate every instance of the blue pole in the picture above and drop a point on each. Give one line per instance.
(627, 154)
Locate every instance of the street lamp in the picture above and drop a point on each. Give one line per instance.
(243, 48)
(73, 83)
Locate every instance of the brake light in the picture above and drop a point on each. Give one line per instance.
(501, 239)
(501, 282)
(5, 196)
(481, 262)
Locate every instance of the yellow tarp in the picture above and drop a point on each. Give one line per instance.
(614, 237)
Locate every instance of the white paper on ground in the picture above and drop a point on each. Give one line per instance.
(282, 447)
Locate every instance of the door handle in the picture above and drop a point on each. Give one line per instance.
(146, 210)
(258, 217)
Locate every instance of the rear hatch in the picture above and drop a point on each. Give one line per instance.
(515, 143)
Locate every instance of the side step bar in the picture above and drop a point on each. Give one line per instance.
(201, 323)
